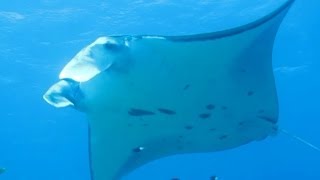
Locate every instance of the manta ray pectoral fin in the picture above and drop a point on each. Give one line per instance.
(148, 97)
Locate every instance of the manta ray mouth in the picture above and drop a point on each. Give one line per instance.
(147, 97)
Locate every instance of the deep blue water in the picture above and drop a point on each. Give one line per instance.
(39, 142)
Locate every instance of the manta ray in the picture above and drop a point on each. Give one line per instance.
(150, 96)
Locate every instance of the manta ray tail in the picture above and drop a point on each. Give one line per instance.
(301, 140)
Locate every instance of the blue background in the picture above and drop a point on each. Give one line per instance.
(37, 38)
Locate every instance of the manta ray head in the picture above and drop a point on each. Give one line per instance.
(88, 63)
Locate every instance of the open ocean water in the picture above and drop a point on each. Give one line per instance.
(37, 38)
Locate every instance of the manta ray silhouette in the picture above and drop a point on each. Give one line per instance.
(147, 97)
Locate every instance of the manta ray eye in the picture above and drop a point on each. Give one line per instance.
(112, 46)
(115, 45)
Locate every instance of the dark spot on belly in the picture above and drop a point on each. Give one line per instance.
(250, 93)
(166, 111)
(223, 137)
(210, 106)
(212, 129)
(241, 123)
(243, 70)
(261, 111)
(186, 87)
(180, 148)
(139, 112)
(269, 119)
(188, 127)
(204, 115)
(224, 107)
(138, 149)
(175, 179)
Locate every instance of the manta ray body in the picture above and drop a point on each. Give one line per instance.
(148, 97)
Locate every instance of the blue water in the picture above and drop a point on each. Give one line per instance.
(39, 142)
